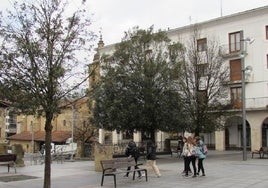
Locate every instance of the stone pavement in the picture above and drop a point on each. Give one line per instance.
(223, 169)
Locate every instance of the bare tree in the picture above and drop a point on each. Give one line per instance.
(201, 83)
(85, 132)
(41, 47)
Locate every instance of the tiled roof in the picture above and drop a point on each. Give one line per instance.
(57, 136)
(26, 135)
(61, 136)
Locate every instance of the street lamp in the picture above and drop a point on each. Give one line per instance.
(32, 136)
(244, 70)
(73, 118)
(72, 124)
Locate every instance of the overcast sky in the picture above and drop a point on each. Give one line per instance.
(117, 16)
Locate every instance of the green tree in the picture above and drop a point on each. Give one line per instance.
(202, 84)
(41, 45)
(137, 90)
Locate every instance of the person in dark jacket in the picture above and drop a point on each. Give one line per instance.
(133, 151)
(151, 158)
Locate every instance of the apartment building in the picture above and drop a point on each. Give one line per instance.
(243, 39)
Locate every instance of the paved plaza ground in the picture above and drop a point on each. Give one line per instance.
(223, 169)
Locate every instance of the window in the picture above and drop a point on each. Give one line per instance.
(235, 70)
(236, 98)
(84, 124)
(266, 31)
(202, 69)
(202, 97)
(201, 45)
(234, 42)
(127, 134)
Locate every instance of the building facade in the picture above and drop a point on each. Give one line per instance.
(243, 39)
(30, 130)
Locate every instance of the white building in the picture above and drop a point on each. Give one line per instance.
(242, 37)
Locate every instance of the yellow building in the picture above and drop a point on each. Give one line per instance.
(31, 129)
(3, 113)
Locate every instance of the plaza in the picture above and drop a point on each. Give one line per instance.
(223, 169)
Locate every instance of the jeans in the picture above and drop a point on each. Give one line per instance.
(200, 166)
(189, 160)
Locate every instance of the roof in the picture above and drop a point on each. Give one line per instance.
(57, 136)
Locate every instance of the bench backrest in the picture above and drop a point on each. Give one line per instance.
(8, 157)
(117, 163)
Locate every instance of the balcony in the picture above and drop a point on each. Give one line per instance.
(257, 103)
(11, 128)
(260, 103)
(226, 52)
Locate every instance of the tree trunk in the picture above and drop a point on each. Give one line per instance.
(82, 149)
(153, 135)
(48, 139)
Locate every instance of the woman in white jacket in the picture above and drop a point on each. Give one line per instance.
(190, 157)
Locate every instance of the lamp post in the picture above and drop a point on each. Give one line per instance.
(73, 116)
(243, 69)
(72, 126)
(32, 137)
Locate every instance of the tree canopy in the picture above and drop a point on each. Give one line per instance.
(137, 91)
(41, 45)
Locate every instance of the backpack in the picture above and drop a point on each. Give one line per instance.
(129, 148)
(196, 151)
(127, 151)
(135, 152)
(205, 149)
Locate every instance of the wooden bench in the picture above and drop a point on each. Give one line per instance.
(261, 152)
(8, 159)
(112, 167)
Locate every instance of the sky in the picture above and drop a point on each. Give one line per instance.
(116, 16)
(113, 17)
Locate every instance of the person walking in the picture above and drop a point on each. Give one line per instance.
(151, 158)
(132, 151)
(201, 157)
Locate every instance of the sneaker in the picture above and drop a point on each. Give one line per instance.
(158, 176)
(185, 175)
(203, 175)
(194, 176)
(197, 173)
(125, 176)
(183, 172)
(140, 176)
